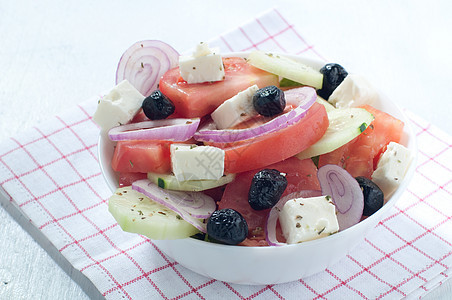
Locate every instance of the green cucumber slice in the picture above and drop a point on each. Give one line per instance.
(136, 213)
(287, 68)
(288, 83)
(169, 182)
(345, 125)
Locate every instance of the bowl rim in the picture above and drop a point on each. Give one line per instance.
(376, 217)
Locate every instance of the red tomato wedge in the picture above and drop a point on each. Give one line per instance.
(142, 157)
(386, 128)
(276, 146)
(200, 99)
(300, 174)
(359, 156)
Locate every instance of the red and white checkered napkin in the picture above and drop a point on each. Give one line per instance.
(51, 173)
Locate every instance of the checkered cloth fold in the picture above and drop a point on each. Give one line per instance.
(51, 173)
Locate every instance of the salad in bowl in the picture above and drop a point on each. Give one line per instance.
(249, 167)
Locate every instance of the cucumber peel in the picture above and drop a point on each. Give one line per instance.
(136, 213)
(169, 182)
(345, 125)
(287, 68)
(288, 83)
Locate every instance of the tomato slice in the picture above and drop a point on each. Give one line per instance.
(385, 127)
(300, 174)
(276, 146)
(142, 157)
(359, 156)
(200, 99)
(127, 178)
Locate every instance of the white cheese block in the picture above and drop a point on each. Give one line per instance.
(119, 106)
(305, 219)
(236, 109)
(192, 162)
(204, 65)
(354, 91)
(391, 168)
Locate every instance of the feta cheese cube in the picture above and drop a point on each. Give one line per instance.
(236, 109)
(306, 219)
(205, 65)
(192, 162)
(354, 91)
(119, 106)
(391, 168)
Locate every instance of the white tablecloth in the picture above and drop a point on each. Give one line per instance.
(54, 55)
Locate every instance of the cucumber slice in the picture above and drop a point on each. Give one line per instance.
(136, 213)
(345, 125)
(328, 106)
(169, 182)
(287, 68)
(288, 83)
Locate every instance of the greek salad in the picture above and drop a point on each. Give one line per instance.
(255, 150)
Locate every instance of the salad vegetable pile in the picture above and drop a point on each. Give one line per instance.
(261, 150)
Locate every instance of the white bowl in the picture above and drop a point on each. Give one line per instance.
(271, 265)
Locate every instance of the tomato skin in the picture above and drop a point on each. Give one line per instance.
(359, 156)
(142, 156)
(200, 99)
(300, 174)
(277, 146)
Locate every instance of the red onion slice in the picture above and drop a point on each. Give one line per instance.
(143, 63)
(303, 98)
(345, 192)
(197, 204)
(191, 206)
(299, 97)
(177, 130)
(270, 229)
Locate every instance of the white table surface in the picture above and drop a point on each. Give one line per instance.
(54, 54)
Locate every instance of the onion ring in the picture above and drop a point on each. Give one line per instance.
(345, 192)
(191, 206)
(303, 98)
(143, 63)
(177, 130)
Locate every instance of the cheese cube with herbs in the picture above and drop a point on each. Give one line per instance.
(306, 219)
(354, 91)
(391, 168)
(118, 107)
(204, 65)
(192, 162)
(236, 109)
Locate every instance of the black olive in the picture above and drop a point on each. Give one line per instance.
(227, 226)
(269, 101)
(157, 106)
(373, 195)
(333, 75)
(266, 189)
